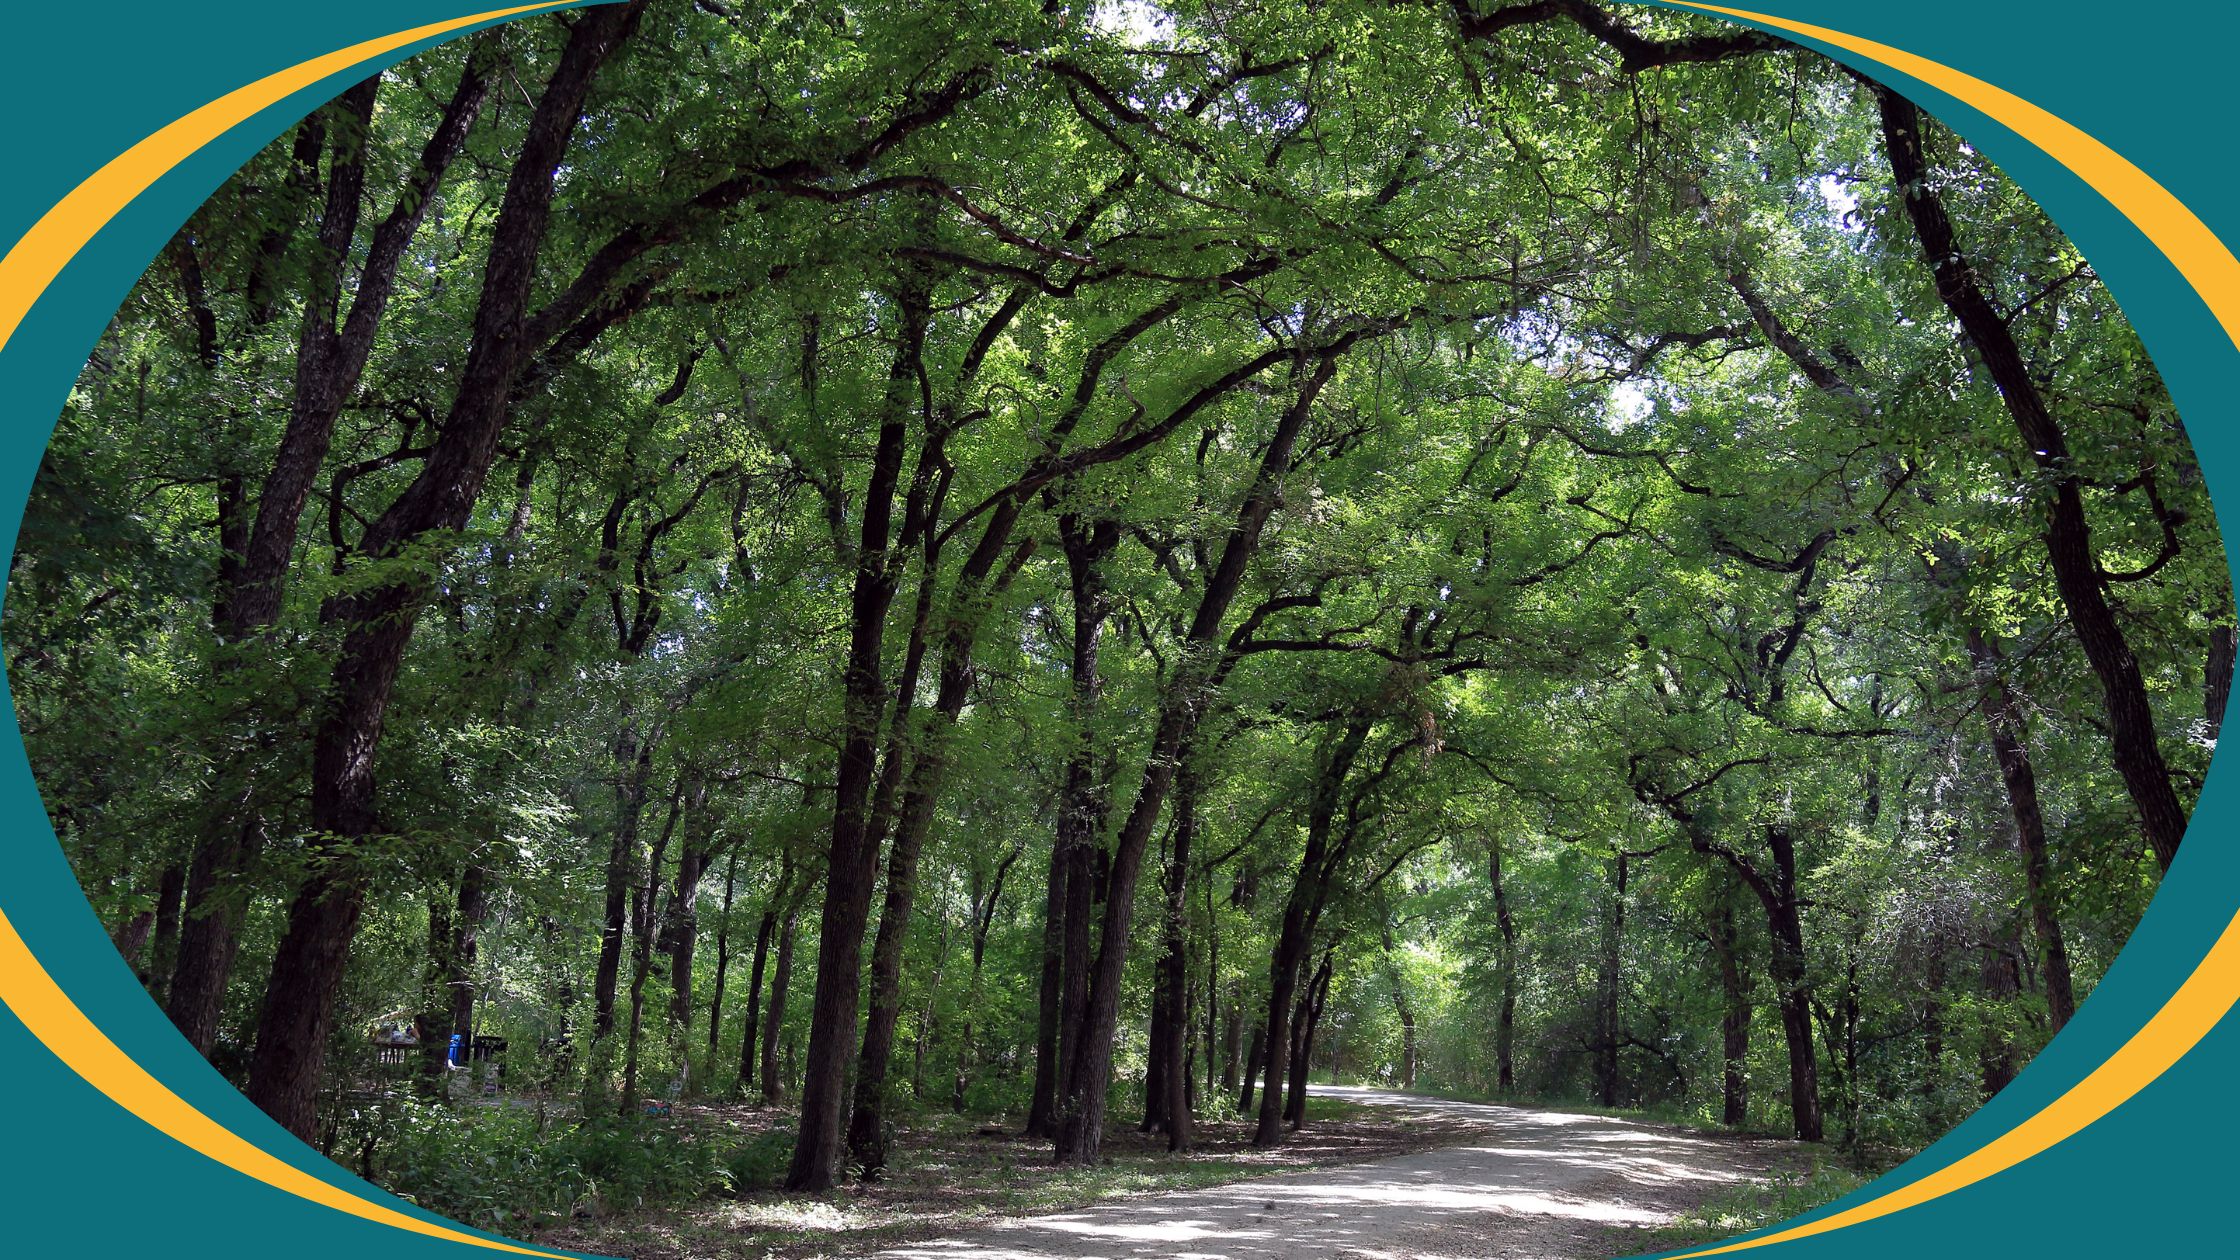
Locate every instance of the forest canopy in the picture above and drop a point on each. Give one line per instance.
(1086, 563)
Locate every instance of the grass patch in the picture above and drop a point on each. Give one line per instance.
(1744, 1209)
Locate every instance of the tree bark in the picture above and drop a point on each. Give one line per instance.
(1175, 966)
(774, 1015)
(633, 757)
(2068, 537)
(1310, 1018)
(1082, 1105)
(765, 934)
(1043, 1098)
(298, 1014)
(723, 957)
(852, 863)
(1793, 989)
(1734, 1025)
(1608, 1028)
(649, 915)
(684, 909)
(1255, 1059)
(1294, 935)
(1505, 1018)
(2009, 735)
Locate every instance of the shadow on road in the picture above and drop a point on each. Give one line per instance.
(1532, 1184)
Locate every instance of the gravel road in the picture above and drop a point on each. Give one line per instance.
(1534, 1185)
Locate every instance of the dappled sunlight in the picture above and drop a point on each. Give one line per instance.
(1525, 1177)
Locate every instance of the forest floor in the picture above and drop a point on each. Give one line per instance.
(1375, 1174)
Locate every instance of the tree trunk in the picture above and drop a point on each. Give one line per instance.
(2068, 537)
(1734, 1025)
(723, 957)
(633, 758)
(163, 947)
(2009, 745)
(1309, 1019)
(1505, 1018)
(774, 1015)
(1294, 935)
(308, 964)
(1255, 1059)
(210, 933)
(1175, 966)
(1794, 991)
(1232, 1043)
(1999, 1059)
(683, 926)
(853, 858)
(1608, 1028)
(1084, 803)
(764, 933)
(1044, 1096)
(1082, 1103)
(649, 915)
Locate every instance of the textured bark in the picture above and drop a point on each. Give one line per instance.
(1311, 1005)
(298, 1013)
(1294, 935)
(1505, 1019)
(648, 916)
(1254, 1059)
(684, 909)
(2009, 744)
(254, 547)
(764, 936)
(210, 930)
(1083, 805)
(1734, 1025)
(2068, 536)
(1793, 989)
(723, 956)
(1175, 969)
(853, 856)
(774, 1015)
(1182, 702)
(1043, 1098)
(453, 941)
(1608, 1028)
(633, 757)
(163, 945)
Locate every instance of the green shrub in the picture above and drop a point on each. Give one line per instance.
(760, 1162)
(509, 1169)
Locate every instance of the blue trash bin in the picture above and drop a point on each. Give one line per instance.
(452, 1056)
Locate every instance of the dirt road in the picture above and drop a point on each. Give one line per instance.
(1536, 1185)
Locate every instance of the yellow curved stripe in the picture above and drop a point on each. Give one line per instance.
(39, 255)
(27, 270)
(2214, 986)
(2175, 1029)
(56, 1020)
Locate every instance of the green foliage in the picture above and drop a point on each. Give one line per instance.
(1607, 665)
(513, 1169)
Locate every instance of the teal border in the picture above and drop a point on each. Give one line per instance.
(80, 83)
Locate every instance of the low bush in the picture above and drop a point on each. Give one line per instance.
(513, 1169)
